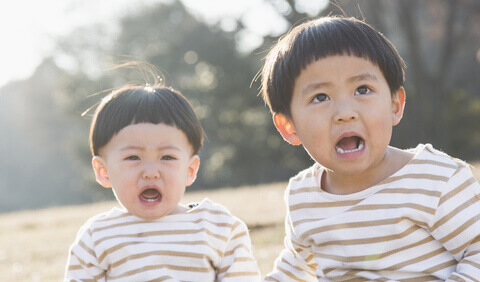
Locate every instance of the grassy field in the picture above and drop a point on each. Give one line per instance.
(34, 244)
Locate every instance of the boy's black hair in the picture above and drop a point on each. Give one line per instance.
(317, 39)
(136, 104)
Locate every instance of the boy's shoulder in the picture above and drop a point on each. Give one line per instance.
(305, 178)
(435, 170)
(426, 153)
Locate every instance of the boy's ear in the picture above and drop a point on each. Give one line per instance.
(193, 169)
(285, 126)
(398, 104)
(100, 170)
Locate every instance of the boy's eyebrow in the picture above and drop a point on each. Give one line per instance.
(314, 86)
(363, 76)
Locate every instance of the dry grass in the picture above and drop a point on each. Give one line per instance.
(34, 244)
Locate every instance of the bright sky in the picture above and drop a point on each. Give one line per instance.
(29, 27)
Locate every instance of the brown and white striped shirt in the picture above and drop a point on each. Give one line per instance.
(420, 224)
(206, 243)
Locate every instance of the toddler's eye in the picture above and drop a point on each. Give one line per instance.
(320, 98)
(132, 158)
(167, 158)
(362, 90)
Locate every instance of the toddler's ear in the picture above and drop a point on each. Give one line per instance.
(285, 126)
(398, 104)
(193, 169)
(100, 170)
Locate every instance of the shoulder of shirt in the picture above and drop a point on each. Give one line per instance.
(305, 177)
(113, 213)
(96, 220)
(207, 205)
(443, 159)
(209, 209)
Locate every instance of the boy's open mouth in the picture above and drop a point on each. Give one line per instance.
(151, 195)
(350, 144)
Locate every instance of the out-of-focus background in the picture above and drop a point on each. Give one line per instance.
(55, 54)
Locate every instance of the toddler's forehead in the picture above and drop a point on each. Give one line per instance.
(142, 129)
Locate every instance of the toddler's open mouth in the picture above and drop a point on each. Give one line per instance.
(350, 144)
(151, 195)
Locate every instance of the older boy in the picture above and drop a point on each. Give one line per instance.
(144, 143)
(364, 210)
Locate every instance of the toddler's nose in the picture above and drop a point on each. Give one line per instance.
(151, 172)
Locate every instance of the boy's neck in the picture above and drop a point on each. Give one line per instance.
(344, 184)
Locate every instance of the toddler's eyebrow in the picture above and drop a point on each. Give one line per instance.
(135, 147)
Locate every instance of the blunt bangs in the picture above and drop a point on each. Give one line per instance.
(134, 105)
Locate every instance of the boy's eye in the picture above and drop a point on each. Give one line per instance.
(320, 98)
(362, 90)
(132, 158)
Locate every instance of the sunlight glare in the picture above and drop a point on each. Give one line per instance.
(23, 23)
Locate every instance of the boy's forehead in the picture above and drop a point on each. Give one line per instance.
(356, 66)
(324, 72)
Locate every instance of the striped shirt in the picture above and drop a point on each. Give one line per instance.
(420, 224)
(206, 243)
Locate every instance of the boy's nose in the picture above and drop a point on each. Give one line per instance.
(345, 112)
(151, 172)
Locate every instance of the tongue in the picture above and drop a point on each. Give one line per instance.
(348, 143)
(150, 194)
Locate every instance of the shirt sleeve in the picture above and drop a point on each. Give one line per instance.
(457, 224)
(296, 262)
(82, 263)
(238, 263)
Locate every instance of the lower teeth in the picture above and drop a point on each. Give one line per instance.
(151, 200)
(342, 151)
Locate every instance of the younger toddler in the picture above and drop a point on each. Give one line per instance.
(144, 142)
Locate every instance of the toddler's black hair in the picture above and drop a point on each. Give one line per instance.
(139, 104)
